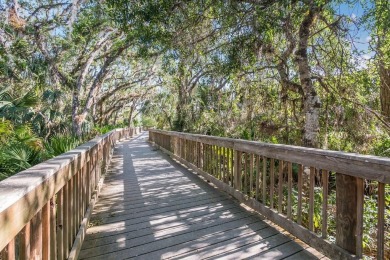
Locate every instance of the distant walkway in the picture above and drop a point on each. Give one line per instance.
(152, 208)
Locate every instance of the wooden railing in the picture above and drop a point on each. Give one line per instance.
(44, 210)
(322, 197)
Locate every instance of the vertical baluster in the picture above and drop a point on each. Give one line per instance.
(222, 164)
(215, 154)
(237, 167)
(289, 198)
(36, 236)
(225, 165)
(197, 155)
(213, 168)
(77, 201)
(299, 207)
(251, 174)
(246, 169)
(359, 216)
(46, 231)
(228, 170)
(182, 143)
(280, 186)
(311, 198)
(25, 242)
(9, 251)
(204, 151)
(381, 222)
(272, 185)
(264, 175)
(219, 162)
(189, 146)
(66, 220)
(193, 149)
(185, 143)
(187, 155)
(60, 225)
(181, 148)
(229, 162)
(200, 155)
(216, 162)
(194, 153)
(92, 174)
(82, 194)
(257, 177)
(211, 157)
(206, 157)
(89, 177)
(74, 208)
(325, 191)
(69, 214)
(80, 191)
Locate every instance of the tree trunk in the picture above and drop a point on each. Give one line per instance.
(384, 75)
(312, 103)
(181, 117)
(76, 120)
(385, 90)
(116, 117)
(131, 116)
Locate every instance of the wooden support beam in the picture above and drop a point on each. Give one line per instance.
(346, 217)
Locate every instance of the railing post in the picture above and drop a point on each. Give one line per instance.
(346, 212)
(237, 170)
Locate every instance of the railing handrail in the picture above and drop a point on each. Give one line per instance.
(41, 172)
(371, 167)
(281, 182)
(25, 193)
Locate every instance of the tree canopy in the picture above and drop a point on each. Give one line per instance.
(306, 73)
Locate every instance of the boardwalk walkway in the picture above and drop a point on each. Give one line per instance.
(152, 208)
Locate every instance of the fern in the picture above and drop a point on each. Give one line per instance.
(60, 144)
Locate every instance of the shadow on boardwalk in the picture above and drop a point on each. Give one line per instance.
(152, 208)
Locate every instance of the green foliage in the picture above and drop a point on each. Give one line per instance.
(148, 121)
(104, 129)
(382, 146)
(60, 144)
(17, 157)
(107, 128)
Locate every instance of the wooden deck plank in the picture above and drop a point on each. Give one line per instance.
(129, 232)
(215, 244)
(152, 208)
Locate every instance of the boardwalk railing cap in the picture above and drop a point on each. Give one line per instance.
(17, 186)
(365, 166)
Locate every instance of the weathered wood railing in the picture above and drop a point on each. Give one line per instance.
(290, 186)
(44, 210)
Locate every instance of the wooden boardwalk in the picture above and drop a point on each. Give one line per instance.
(152, 208)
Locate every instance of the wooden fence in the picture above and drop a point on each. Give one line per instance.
(319, 196)
(44, 210)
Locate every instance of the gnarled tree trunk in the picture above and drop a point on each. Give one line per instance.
(312, 103)
(384, 75)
